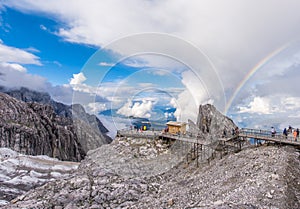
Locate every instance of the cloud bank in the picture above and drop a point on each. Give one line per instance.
(137, 109)
(235, 35)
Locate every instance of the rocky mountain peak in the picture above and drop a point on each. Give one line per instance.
(34, 129)
(26, 95)
(32, 123)
(212, 122)
(134, 172)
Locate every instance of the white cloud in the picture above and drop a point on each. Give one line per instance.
(271, 104)
(114, 123)
(188, 101)
(57, 63)
(95, 107)
(291, 103)
(32, 50)
(173, 103)
(14, 55)
(137, 109)
(259, 105)
(13, 66)
(106, 64)
(223, 31)
(146, 85)
(229, 33)
(15, 75)
(77, 79)
(159, 72)
(42, 27)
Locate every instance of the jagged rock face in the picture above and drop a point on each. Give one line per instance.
(113, 176)
(90, 131)
(34, 129)
(211, 122)
(24, 94)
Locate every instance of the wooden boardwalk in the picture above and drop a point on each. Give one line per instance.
(257, 134)
(159, 134)
(204, 150)
(195, 147)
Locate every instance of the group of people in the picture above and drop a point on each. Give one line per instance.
(289, 130)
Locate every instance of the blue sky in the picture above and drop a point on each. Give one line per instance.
(141, 54)
(60, 59)
(36, 33)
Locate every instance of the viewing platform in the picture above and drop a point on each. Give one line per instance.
(203, 150)
(256, 134)
(159, 134)
(265, 135)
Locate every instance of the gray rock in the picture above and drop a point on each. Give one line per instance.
(116, 176)
(211, 122)
(90, 131)
(34, 129)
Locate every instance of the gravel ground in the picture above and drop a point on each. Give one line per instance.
(259, 177)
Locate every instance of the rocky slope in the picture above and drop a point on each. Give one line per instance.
(90, 131)
(147, 173)
(264, 177)
(34, 129)
(21, 173)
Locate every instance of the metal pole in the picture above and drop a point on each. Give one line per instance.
(197, 156)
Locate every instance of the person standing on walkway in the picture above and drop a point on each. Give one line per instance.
(295, 135)
(285, 133)
(290, 129)
(273, 132)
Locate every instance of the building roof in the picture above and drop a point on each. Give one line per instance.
(175, 123)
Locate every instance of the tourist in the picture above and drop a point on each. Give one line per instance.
(295, 135)
(297, 132)
(273, 132)
(290, 129)
(285, 133)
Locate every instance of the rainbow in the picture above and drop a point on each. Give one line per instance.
(252, 72)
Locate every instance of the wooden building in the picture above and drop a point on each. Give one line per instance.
(176, 127)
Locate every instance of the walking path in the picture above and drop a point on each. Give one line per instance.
(257, 134)
(203, 150)
(267, 136)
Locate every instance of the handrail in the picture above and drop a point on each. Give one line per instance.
(264, 133)
(258, 134)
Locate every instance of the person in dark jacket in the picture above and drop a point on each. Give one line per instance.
(285, 133)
